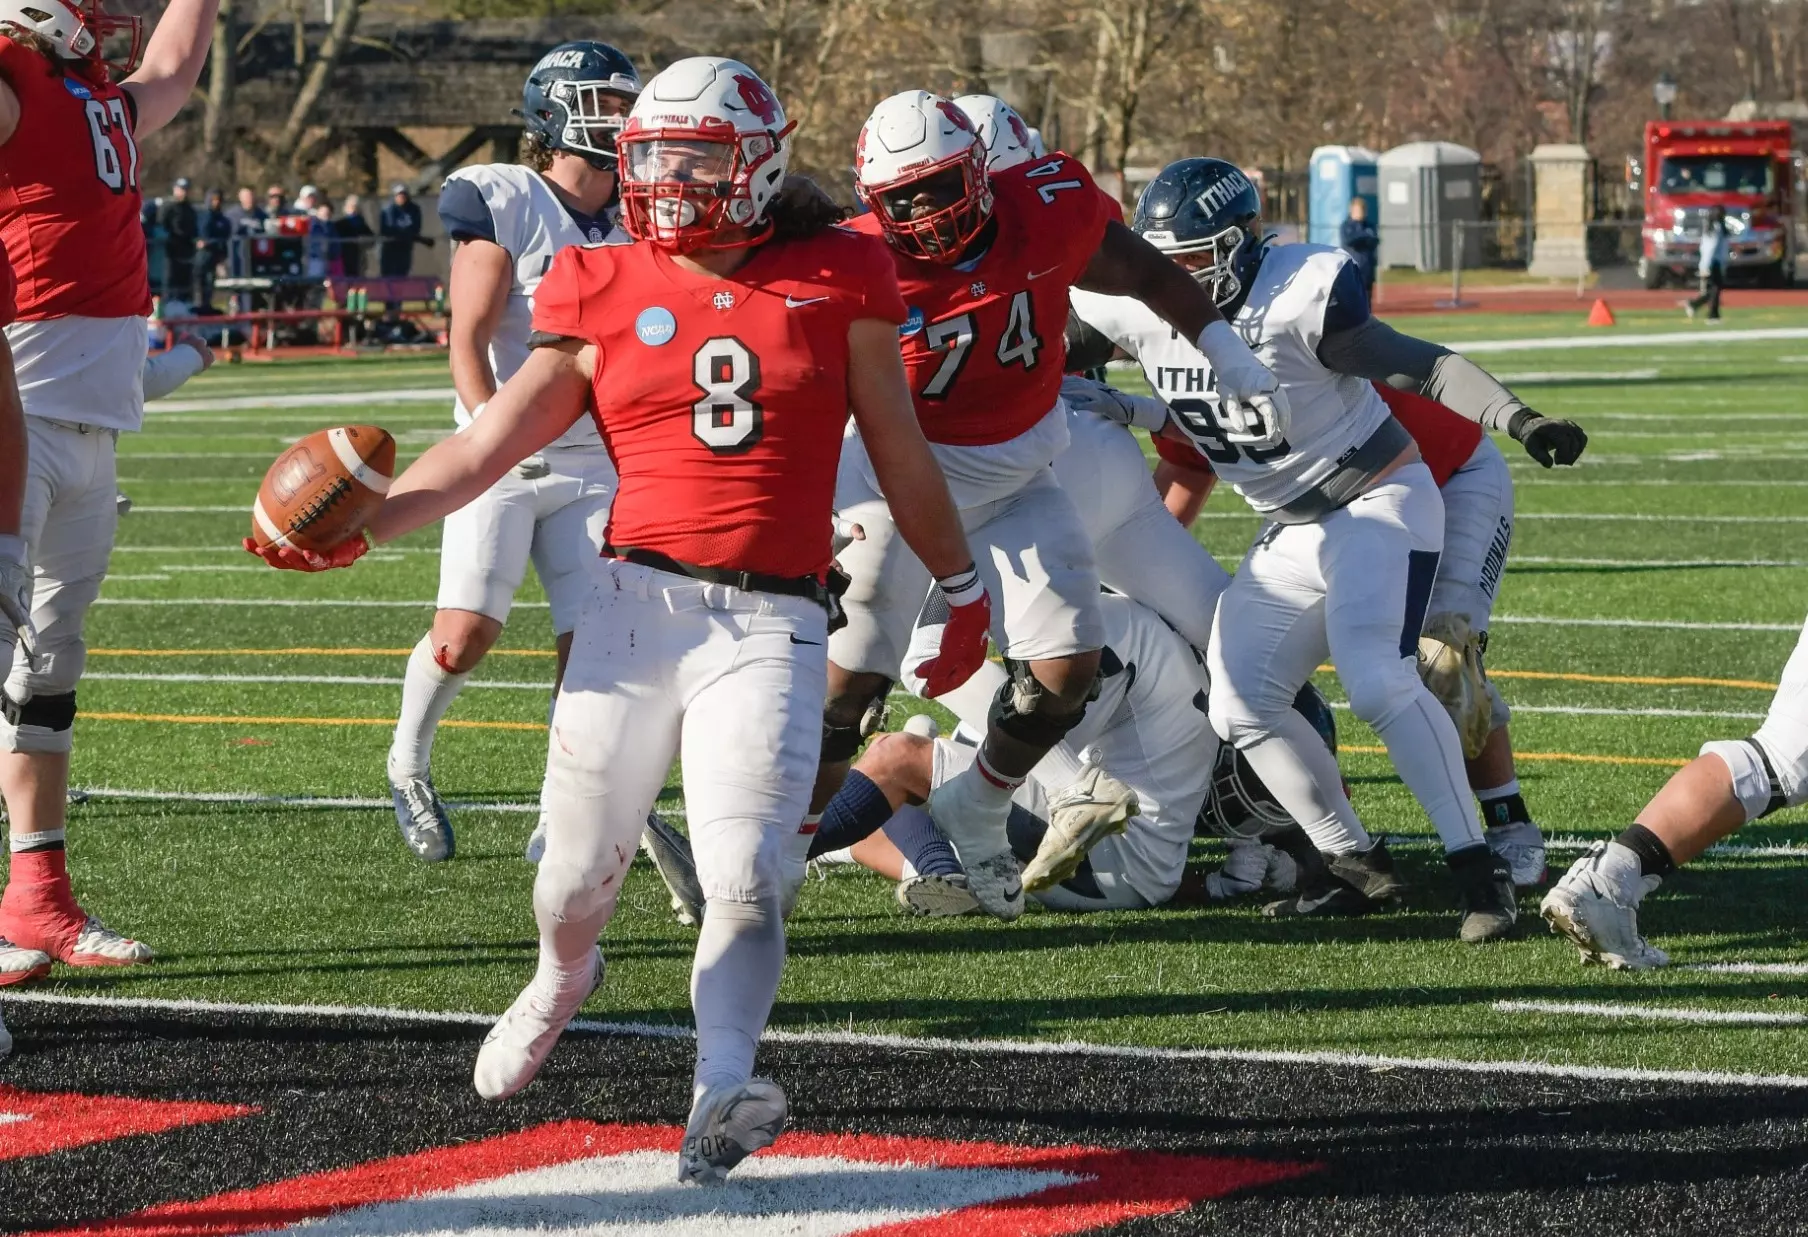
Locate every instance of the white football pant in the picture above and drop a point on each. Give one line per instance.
(1354, 587)
(1770, 769)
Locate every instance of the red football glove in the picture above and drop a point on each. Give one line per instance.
(288, 558)
(963, 648)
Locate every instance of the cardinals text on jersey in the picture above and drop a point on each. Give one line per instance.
(722, 401)
(984, 342)
(1282, 319)
(514, 207)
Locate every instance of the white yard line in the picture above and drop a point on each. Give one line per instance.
(1749, 968)
(1617, 517)
(1720, 850)
(306, 603)
(1542, 476)
(1546, 560)
(995, 1047)
(1537, 376)
(361, 680)
(1608, 340)
(1654, 1013)
(296, 801)
(302, 399)
(1565, 710)
(1653, 624)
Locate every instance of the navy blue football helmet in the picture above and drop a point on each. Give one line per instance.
(568, 100)
(1238, 805)
(1205, 206)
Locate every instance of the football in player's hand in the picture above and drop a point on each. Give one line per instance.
(324, 489)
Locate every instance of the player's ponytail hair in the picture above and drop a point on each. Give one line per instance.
(802, 209)
(534, 152)
(32, 41)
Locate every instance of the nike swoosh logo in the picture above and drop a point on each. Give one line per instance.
(1307, 905)
(795, 640)
(792, 302)
(1013, 893)
(1039, 274)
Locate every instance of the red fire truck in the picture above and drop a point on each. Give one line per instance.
(1692, 166)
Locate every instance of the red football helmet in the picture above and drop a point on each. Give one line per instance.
(78, 30)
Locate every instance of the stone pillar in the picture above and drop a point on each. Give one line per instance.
(1559, 212)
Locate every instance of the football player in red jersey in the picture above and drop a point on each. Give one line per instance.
(985, 261)
(720, 354)
(69, 206)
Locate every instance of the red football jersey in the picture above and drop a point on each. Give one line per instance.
(69, 198)
(722, 401)
(1446, 440)
(9, 311)
(985, 346)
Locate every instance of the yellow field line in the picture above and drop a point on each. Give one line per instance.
(1586, 758)
(212, 719)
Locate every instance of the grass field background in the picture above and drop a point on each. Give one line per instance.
(210, 674)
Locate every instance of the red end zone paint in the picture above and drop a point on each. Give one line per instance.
(1114, 1185)
(37, 1123)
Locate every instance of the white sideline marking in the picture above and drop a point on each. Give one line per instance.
(1668, 338)
(1545, 560)
(1749, 968)
(1535, 376)
(1655, 624)
(1567, 710)
(302, 399)
(1005, 1047)
(1655, 1013)
(300, 801)
(358, 680)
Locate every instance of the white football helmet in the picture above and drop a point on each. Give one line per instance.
(1007, 138)
(921, 169)
(702, 156)
(77, 29)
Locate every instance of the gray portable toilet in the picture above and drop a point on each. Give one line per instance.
(1339, 175)
(1425, 187)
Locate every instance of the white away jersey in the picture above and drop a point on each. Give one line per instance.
(514, 207)
(1282, 319)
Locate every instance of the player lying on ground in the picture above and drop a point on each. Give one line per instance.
(985, 261)
(507, 221)
(69, 207)
(1345, 566)
(1730, 784)
(720, 354)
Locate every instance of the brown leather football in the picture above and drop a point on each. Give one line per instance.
(324, 489)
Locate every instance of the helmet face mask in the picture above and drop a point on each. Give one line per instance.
(934, 216)
(921, 169)
(1213, 261)
(1238, 804)
(595, 112)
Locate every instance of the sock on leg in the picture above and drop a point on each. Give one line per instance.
(428, 690)
(921, 843)
(856, 812)
(1502, 805)
(740, 955)
(38, 880)
(1654, 856)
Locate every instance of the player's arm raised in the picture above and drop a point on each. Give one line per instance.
(173, 60)
(918, 497)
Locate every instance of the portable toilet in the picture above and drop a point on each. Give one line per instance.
(1339, 174)
(1426, 187)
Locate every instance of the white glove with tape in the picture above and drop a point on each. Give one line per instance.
(1144, 412)
(1252, 408)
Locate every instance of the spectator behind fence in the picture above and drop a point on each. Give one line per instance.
(323, 243)
(307, 201)
(354, 237)
(1360, 240)
(276, 202)
(1711, 268)
(181, 235)
(247, 219)
(400, 227)
(214, 246)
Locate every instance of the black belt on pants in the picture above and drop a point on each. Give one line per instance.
(808, 587)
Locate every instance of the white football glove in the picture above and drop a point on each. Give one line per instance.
(1144, 412)
(1252, 409)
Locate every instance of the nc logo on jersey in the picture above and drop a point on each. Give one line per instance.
(977, 287)
(912, 323)
(723, 300)
(655, 326)
(77, 89)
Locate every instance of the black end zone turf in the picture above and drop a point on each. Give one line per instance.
(1402, 1151)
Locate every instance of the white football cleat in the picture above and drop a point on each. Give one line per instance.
(99, 945)
(1522, 846)
(536, 842)
(937, 897)
(517, 1045)
(1583, 907)
(18, 965)
(728, 1124)
(1095, 806)
(977, 829)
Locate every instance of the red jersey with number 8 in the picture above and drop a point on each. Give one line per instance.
(985, 342)
(722, 400)
(69, 200)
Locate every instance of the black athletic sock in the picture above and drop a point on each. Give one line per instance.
(1506, 810)
(856, 812)
(919, 841)
(1653, 856)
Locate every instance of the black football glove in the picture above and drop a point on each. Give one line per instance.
(1547, 440)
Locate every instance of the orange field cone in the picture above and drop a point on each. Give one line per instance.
(1600, 315)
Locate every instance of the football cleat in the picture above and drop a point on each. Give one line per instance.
(997, 885)
(977, 830)
(728, 1124)
(670, 852)
(1583, 907)
(516, 1046)
(1323, 898)
(421, 816)
(99, 945)
(73, 938)
(1485, 896)
(1095, 806)
(536, 842)
(1369, 872)
(1522, 846)
(938, 896)
(18, 964)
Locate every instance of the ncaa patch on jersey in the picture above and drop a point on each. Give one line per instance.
(912, 323)
(77, 89)
(655, 326)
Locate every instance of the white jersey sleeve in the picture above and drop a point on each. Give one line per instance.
(1282, 318)
(516, 208)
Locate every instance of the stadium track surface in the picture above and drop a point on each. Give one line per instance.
(1336, 1149)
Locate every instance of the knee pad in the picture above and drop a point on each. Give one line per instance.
(1761, 784)
(746, 860)
(1380, 691)
(40, 723)
(1018, 710)
(571, 893)
(841, 742)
